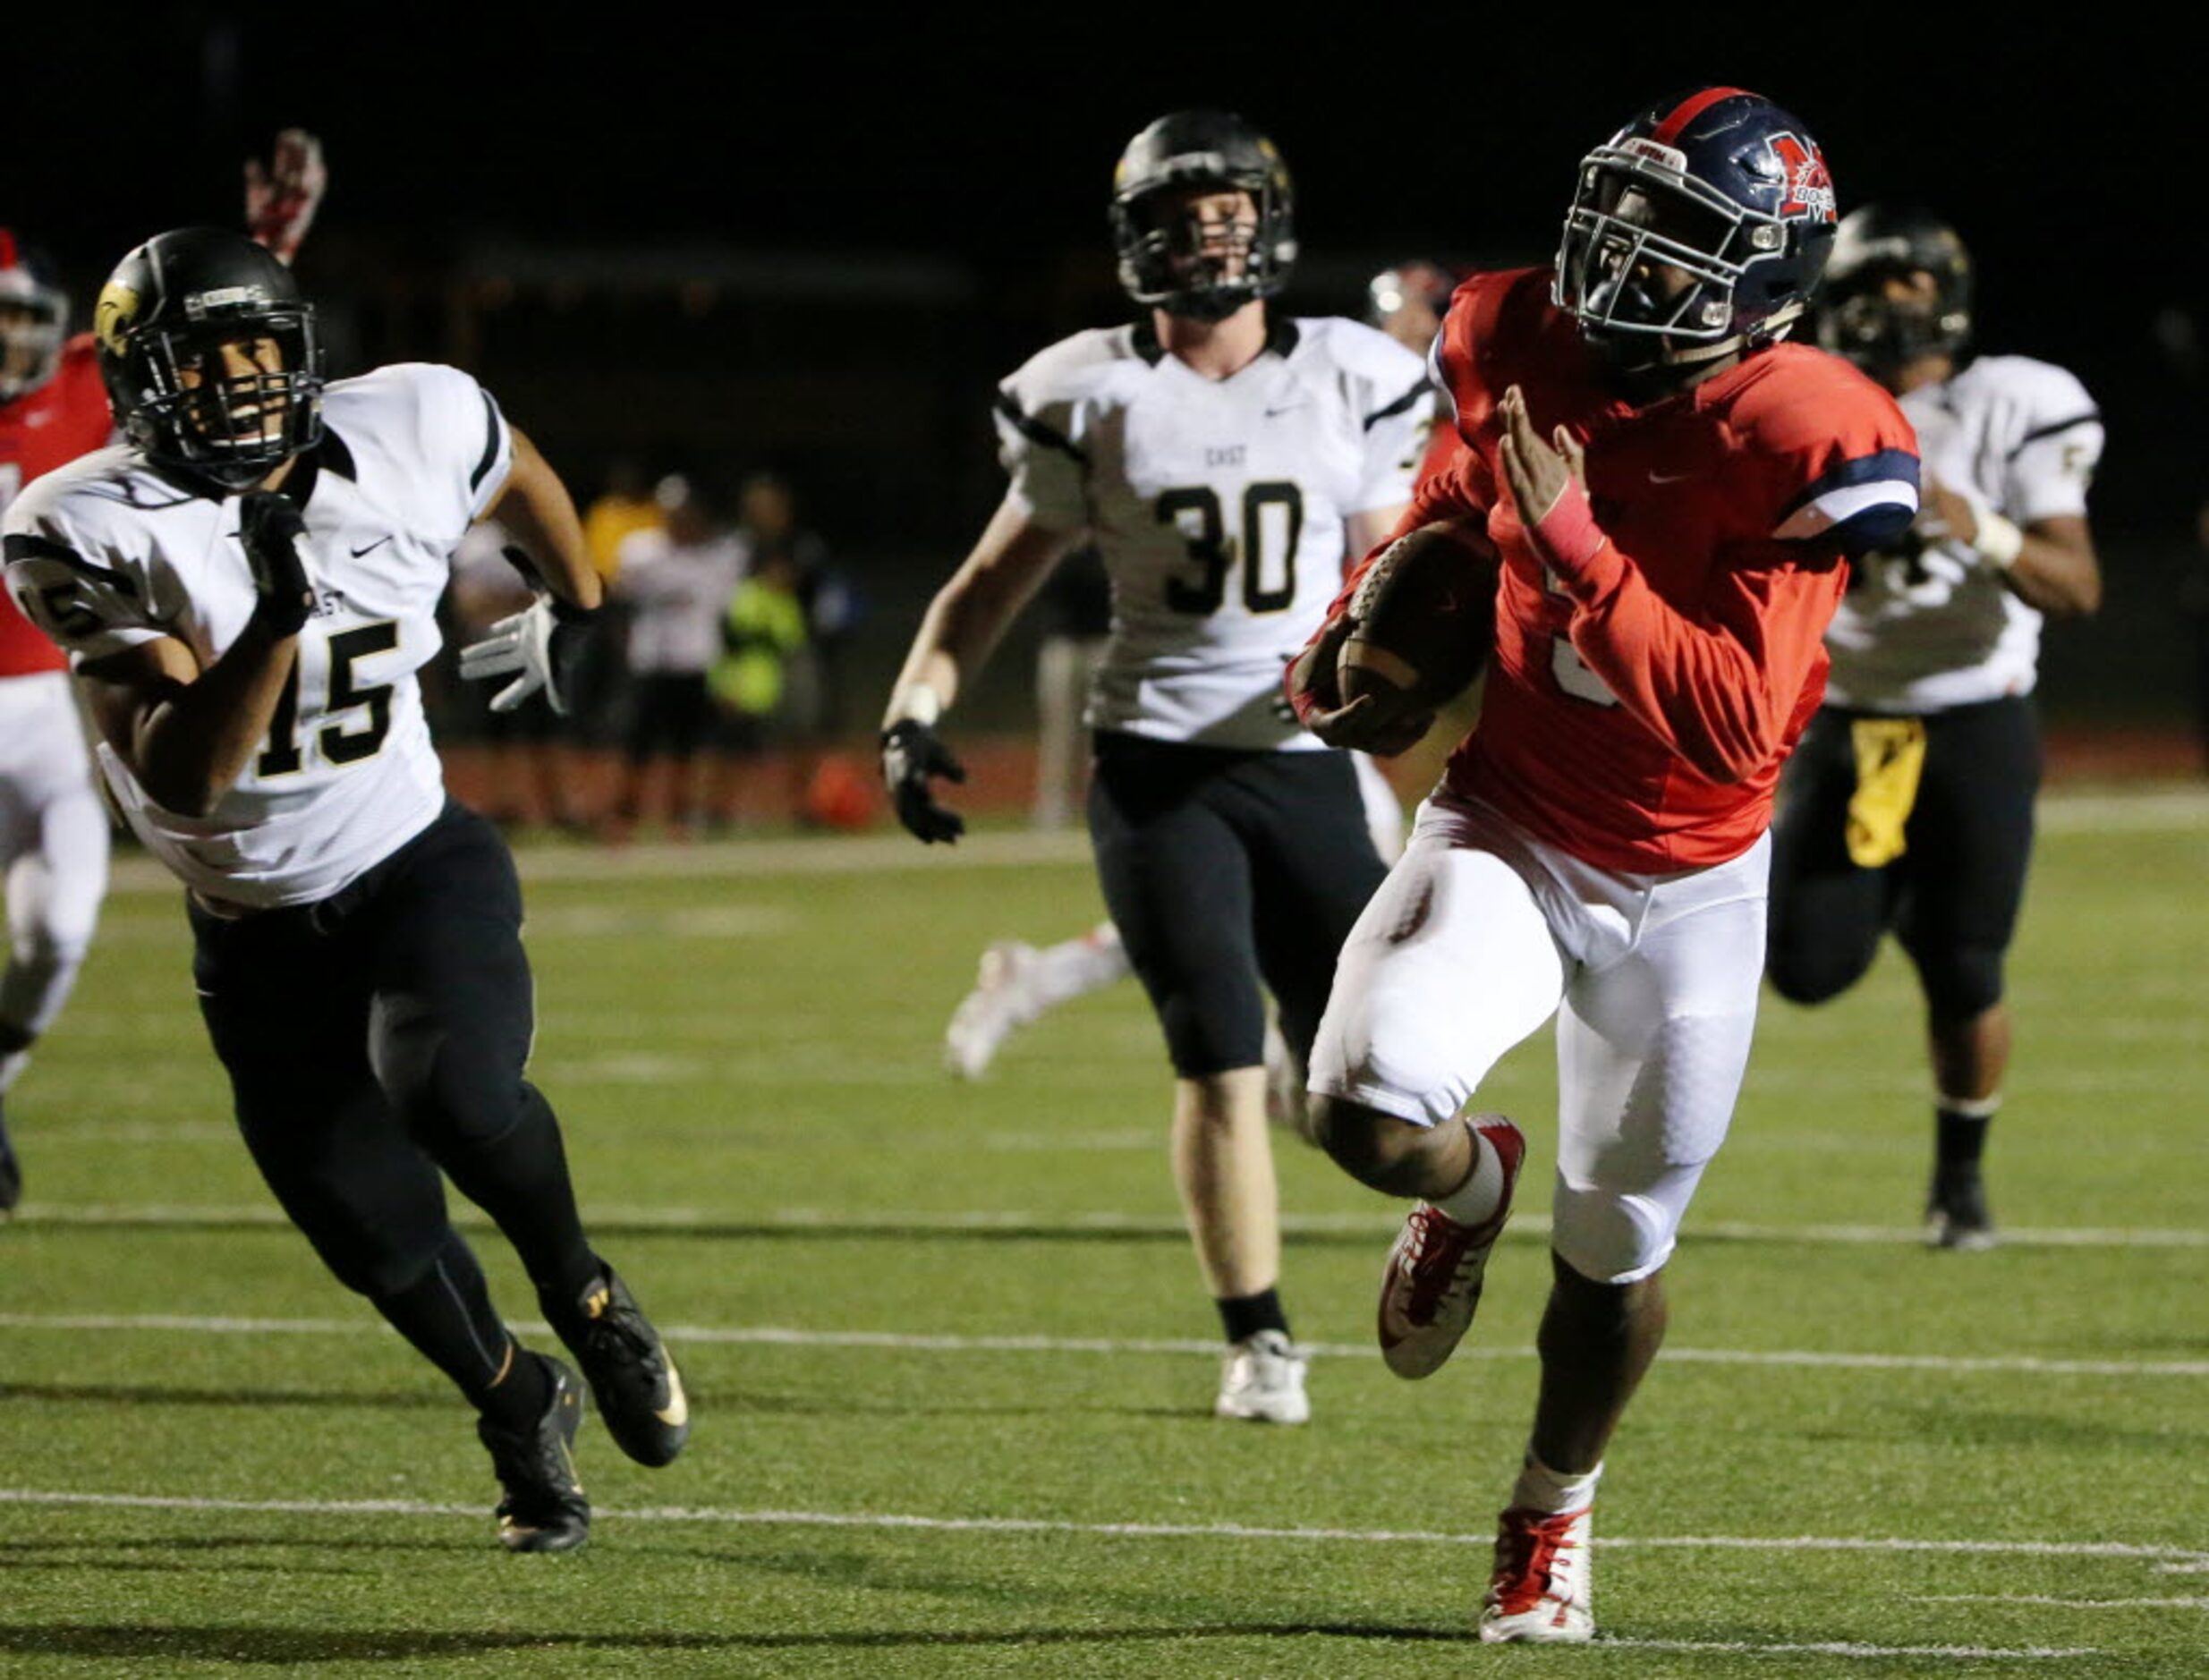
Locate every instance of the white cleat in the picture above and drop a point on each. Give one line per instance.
(1432, 1283)
(1540, 1593)
(1003, 999)
(1263, 1381)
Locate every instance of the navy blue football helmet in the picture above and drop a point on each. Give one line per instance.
(1169, 261)
(1719, 185)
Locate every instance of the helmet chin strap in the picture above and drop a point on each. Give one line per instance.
(1776, 327)
(1209, 307)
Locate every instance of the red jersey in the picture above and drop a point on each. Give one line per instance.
(64, 418)
(1638, 718)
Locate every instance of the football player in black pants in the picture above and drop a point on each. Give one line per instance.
(246, 591)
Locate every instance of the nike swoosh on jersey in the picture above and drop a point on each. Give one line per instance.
(379, 543)
(1656, 477)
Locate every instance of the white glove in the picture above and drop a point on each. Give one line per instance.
(541, 643)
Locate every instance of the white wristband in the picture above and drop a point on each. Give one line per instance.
(1994, 539)
(920, 703)
(1997, 541)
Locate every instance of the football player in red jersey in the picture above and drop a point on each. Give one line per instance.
(53, 826)
(1674, 489)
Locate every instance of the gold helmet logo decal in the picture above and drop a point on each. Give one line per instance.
(113, 316)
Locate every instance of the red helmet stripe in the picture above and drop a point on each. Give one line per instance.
(7, 248)
(1693, 107)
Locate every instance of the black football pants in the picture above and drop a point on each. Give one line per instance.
(1953, 896)
(377, 1036)
(1221, 867)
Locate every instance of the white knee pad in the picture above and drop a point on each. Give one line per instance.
(1610, 1237)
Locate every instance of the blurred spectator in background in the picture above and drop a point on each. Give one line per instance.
(532, 774)
(626, 506)
(762, 633)
(1076, 607)
(767, 523)
(677, 581)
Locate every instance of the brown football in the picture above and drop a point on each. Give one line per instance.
(1424, 616)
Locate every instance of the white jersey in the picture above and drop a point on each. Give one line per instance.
(678, 596)
(1218, 506)
(107, 553)
(1924, 633)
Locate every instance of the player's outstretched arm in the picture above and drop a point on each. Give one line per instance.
(536, 507)
(961, 626)
(540, 648)
(281, 198)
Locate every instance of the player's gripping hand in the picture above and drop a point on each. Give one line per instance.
(271, 527)
(1378, 723)
(912, 752)
(540, 647)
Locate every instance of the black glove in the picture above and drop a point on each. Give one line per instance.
(271, 526)
(912, 752)
(540, 647)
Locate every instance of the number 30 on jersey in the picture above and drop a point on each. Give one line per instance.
(1266, 535)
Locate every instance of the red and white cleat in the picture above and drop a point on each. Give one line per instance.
(1433, 1283)
(1540, 1594)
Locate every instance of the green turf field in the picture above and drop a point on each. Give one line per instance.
(952, 1367)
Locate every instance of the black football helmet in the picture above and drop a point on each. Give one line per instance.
(1168, 259)
(162, 322)
(34, 318)
(1722, 185)
(1858, 319)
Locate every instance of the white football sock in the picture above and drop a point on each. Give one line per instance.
(1475, 1200)
(1541, 1489)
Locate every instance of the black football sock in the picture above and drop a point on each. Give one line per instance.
(1244, 1316)
(522, 1181)
(448, 1317)
(517, 1400)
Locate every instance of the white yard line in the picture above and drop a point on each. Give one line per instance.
(908, 1342)
(727, 1516)
(1379, 1223)
(2060, 1604)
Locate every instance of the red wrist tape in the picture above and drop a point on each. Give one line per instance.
(1568, 534)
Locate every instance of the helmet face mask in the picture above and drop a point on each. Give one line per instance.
(1185, 245)
(211, 357)
(234, 401)
(1698, 231)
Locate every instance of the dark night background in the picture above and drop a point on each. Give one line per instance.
(812, 239)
